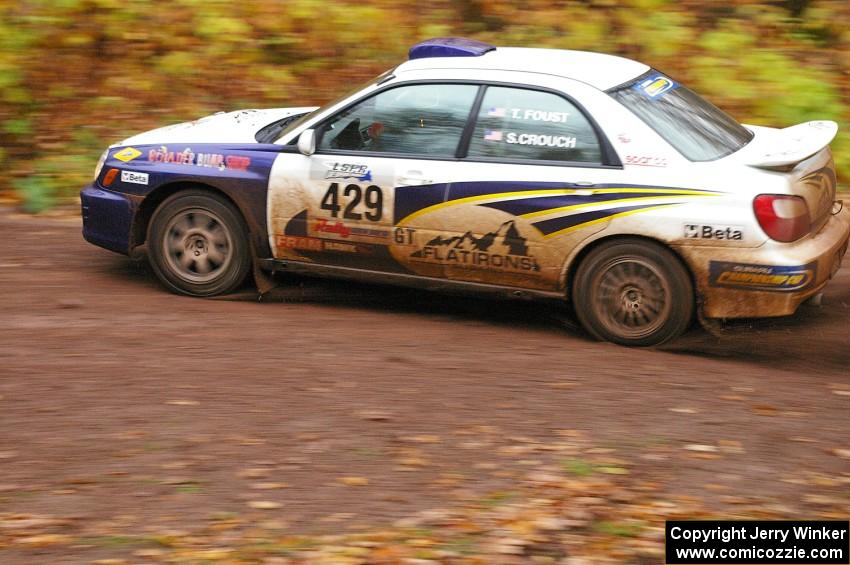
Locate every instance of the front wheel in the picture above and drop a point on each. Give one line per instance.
(198, 244)
(633, 292)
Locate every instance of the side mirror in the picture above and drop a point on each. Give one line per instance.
(307, 142)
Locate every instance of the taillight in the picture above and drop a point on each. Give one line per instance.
(783, 218)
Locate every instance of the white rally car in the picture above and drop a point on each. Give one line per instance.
(528, 172)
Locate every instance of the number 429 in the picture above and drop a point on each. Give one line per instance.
(372, 198)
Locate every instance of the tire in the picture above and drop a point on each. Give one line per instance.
(633, 292)
(198, 244)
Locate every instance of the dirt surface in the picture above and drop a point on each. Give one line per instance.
(124, 407)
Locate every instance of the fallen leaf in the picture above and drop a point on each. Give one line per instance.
(269, 486)
(179, 481)
(211, 554)
(183, 402)
(252, 441)
(613, 470)
(422, 438)
(843, 453)
(45, 539)
(413, 462)
(374, 415)
(175, 465)
(354, 481)
(735, 499)
(765, 409)
(263, 505)
(702, 448)
(804, 439)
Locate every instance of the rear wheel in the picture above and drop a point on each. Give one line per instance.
(633, 292)
(198, 244)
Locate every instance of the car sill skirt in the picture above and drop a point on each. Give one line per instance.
(414, 281)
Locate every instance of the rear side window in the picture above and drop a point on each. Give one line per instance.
(516, 123)
(698, 129)
(425, 119)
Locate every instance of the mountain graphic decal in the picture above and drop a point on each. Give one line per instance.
(511, 239)
(503, 248)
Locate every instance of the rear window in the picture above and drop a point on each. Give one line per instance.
(698, 129)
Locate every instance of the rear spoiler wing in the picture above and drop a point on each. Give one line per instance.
(791, 145)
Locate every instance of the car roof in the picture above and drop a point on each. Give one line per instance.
(596, 69)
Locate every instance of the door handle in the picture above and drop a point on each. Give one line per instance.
(583, 183)
(413, 178)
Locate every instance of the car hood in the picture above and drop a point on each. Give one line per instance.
(224, 127)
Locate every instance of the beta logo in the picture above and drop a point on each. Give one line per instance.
(713, 233)
(133, 177)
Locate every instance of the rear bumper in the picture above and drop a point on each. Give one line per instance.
(772, 280)
(107, 218)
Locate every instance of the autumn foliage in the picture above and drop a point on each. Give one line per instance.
(76, 75)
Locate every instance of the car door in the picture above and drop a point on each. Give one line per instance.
(378, 160)
(535, 181)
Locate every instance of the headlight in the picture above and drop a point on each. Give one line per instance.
(100, 163)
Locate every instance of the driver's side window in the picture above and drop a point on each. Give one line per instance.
(424, 119)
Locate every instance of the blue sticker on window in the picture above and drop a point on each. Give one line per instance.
(656, 86)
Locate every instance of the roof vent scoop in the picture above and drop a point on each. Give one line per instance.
(449, 47)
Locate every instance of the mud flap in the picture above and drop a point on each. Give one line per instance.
(264, 281)
(712, 326)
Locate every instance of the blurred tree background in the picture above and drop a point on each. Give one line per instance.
(77, 75)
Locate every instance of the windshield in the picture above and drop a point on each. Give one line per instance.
(297, 123)
(698, 129)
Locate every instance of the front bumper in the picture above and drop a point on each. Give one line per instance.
(107, 218)
(772, 280)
